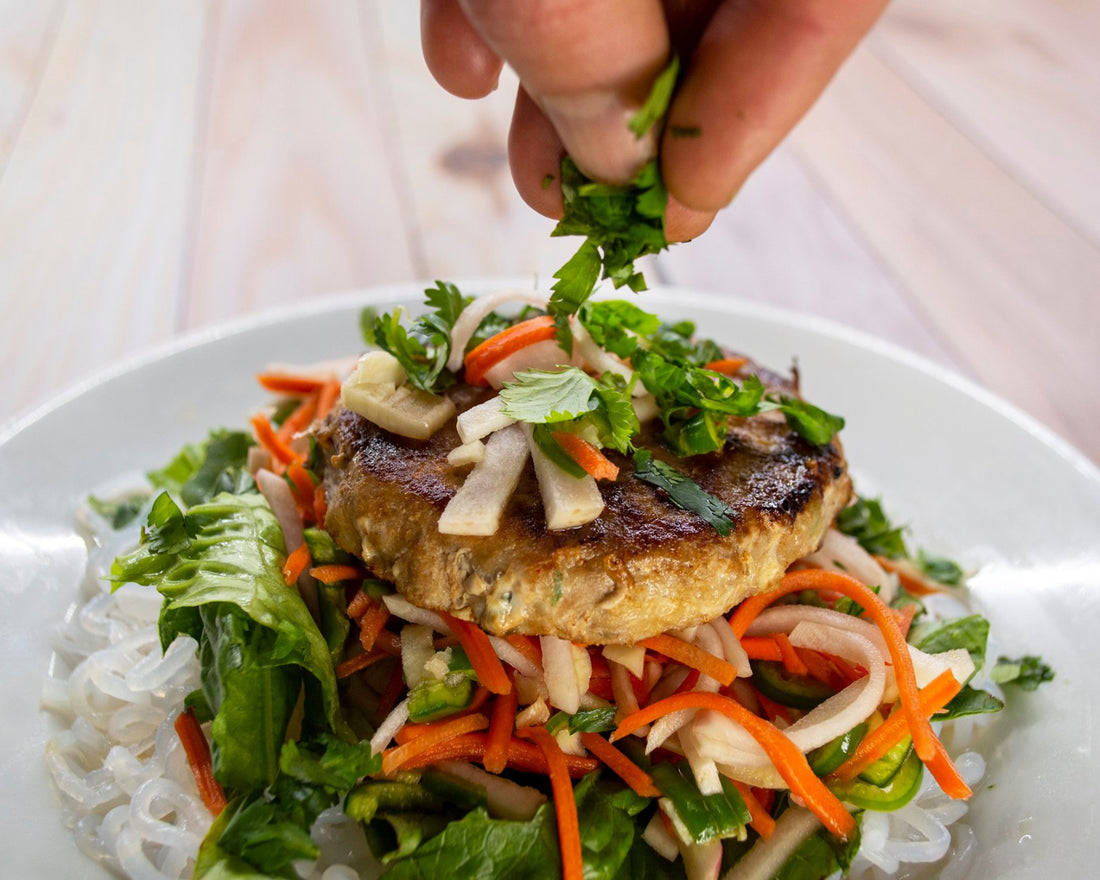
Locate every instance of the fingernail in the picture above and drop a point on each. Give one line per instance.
(595, 129)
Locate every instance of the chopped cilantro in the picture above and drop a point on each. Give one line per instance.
(1027, 672)
(943, 571)
(867, 523)
(684, 492)
(660, 96)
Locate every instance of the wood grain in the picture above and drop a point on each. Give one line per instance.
(27, 31)
(1003, 280)
(93, 197)
(298, 193)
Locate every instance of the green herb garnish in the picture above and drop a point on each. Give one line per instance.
(684, 492)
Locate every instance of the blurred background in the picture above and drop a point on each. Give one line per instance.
(166, 165)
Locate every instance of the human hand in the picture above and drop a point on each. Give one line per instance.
(752, 68)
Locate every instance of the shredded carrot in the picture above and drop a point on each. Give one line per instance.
(729, 366)
(198, 756)
(773, 709)
(784, 754)
(565, 805)
(761, 822)
(487, 666)
(358, 662)
(394, 688)
(762, 648)
(879, 613)
(619, 764)
(791, 661)
(527, 646)
(326, 400)
(589, 457)
(507, 342)
(918, 586)
(818, 667)
(521, 756)
(500, 731)
(289, 383)
(688, 683)
(905, 617)
(359, 604)
(393, 759)
(303, 486)
(270, 441)
(300, 418)
(411, 731)
(693, 656)
(295, 564)
(933, 697)
(390, 642)
(371, 623)
(947, 774)
(332, 574)
(320, 504)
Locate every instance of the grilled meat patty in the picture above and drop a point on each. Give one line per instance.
(643, 567)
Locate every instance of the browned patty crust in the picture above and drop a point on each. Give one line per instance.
(643, 567)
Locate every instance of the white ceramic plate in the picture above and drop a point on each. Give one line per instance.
(973, 477)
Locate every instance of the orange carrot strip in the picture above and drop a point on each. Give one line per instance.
(565, 805)
(198, 756)
(818, 667)
(527, 646)
(359, 605)
(905, 617)
(295, 564)
(331, 574)
(933, 697)
(303, 489)
(393, 759)
(784, 754)
(918, 586)
(729, 366)
(590, 458)
(947, 774)
(791, 661)
(762, 648)
(358, 662)
(487, 666)
(878, 612)
(326, 400)
(621, 765)
(270, 441)
(500, 731)
(521, 756)
(507, 342)
(300, 418)
(371, 623)
(320, 504)
(761, 822)
(289, 383)
(693, 656)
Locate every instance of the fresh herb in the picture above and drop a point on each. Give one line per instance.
(599, 720)
(616, 325)
(656, 104)
(819, 856)
(970, 701)
(422, 348)
(939, 569)
(570, 399)
(684, 492)
(202, 470)
(119, 512)
(866, 521)
(971, 633)
(809, 421)
(1027, 672)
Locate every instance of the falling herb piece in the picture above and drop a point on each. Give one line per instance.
(1027, 672)
(684, 492)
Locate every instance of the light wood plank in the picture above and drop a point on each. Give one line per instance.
(783, 244)
(1003, 279)
(298, 193)
(93, 199)
(26, 36)
(469, 220)
(1018, 77)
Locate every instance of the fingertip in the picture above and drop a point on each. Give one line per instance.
(456, 55)
(683, 223)
(534, 153)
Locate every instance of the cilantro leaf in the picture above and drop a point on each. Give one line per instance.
(809, 421)
(970, 632)
(1027, 672)
(615, 325)
(866, 521)
(970, 701)
(684, 492)
(939, 569)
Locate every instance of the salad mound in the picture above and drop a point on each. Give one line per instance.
(758, 742)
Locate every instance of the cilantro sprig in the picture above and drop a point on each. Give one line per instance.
(684, 492)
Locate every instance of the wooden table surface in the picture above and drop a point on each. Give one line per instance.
(167, 165)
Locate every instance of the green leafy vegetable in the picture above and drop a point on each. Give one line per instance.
(1027, 672)
(971, 632)
(819, 856)
(119, 512)
(939, 569)
(684, 492)
(202, 470)
(660, 96)
(970, 701)
(866, 521)
(706, 817)
(809, 421)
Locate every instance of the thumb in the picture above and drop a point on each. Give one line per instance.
(589, 66)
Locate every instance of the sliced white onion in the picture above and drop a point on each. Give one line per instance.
(471, 316)
(766, 857)
(401, 607)
(630, 656)
(505, 799)
(731, 648)
(477, 506)
(536, 713)
(514, 658)
(702, 861)
(561, 673)
(545, 355)
(645, 406)
(843, 553)
(707, 639)
(929, 666)
(481, 420)
(417, 649)
(625, 698)
(277, 492)
(566, 500)
(387, 730)
(662, 840)
(702, 766)
(600, 360)
(665, 726)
